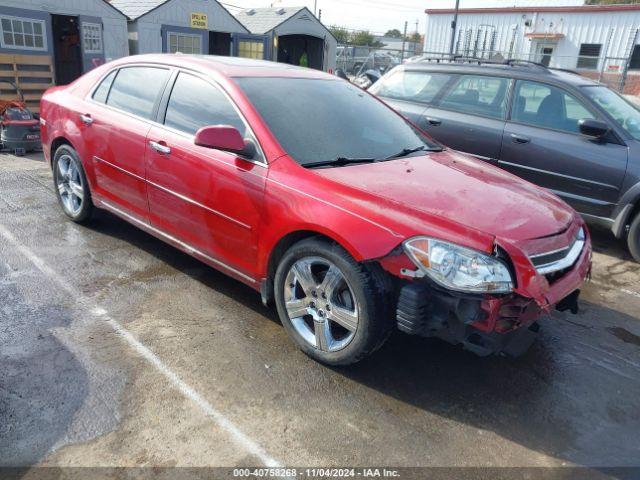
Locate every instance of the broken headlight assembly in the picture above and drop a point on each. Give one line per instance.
(458, 268)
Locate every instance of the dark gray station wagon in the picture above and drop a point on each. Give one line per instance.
(559, 130)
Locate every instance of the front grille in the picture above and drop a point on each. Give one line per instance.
(561, 259)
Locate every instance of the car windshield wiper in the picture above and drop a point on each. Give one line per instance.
(338, 162)
(408, 151)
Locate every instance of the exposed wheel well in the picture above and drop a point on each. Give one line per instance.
(55, 144)
(278, 252)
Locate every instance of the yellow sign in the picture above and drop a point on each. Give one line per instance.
(199, 20)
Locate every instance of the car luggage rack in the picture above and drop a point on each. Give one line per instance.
(510, 62)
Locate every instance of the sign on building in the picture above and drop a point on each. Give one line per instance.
(199, 20)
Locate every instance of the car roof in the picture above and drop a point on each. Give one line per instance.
(228, 66)
(518, 71)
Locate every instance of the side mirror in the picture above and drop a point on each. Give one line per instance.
(220, 137)
(593, 128)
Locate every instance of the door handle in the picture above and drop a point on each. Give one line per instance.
(434, 121)
(86, 119)
(519, 139)
(160, 148)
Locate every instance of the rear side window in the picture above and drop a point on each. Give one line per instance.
(478, 95)
(101, 93)
(546, 106)
(195, 103)
(136, 89)
(412, 86)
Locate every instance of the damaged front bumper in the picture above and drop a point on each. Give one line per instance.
(484, 323)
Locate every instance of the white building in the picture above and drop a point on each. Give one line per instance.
(590, 38)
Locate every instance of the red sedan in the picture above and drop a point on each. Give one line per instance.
(320, 197)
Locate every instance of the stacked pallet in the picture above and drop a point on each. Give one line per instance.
(32, 73)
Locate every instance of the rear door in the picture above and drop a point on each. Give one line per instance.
(410, 92)
(470, 117)
(115, 126)
(206, 198)
(542, 144)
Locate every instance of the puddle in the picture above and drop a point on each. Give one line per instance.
(625, 335)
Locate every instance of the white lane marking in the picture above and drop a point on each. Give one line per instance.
(623, 290)
(223, 422)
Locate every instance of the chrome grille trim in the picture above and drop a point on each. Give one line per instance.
(573, 251)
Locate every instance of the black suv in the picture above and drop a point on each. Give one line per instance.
(557, 129)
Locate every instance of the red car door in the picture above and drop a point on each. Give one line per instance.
(209, 199)
(115, 132)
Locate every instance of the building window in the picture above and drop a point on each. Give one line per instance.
(22, 33)
(184, 43)
(92, 37)
(251, 49)
(589, 55)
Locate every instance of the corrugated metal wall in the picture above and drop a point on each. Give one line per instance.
(508, 31)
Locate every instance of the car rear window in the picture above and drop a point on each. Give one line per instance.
(136, 89)
(412, 86)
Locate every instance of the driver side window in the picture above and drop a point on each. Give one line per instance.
(195, 103)
(546, 106)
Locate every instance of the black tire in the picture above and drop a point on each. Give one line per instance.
(83, 214)
(633, 238)
(370, 287)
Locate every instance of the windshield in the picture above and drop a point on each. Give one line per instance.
(322, 120)
(620, 109)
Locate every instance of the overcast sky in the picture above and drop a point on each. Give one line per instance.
(379, 16)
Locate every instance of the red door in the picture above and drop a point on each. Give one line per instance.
(116, 133)
(209, 199)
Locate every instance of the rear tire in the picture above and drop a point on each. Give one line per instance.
(334, 308)
(633, 238)
(71, 185)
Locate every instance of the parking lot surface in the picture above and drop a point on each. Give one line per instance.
(118, 350)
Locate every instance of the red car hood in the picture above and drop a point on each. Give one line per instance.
(463, 190)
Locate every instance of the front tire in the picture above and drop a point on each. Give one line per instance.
(335, 309)
(72, 187)
(633, 238)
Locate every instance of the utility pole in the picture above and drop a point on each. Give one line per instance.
(404, 39)
(454, 25)
(315, 7)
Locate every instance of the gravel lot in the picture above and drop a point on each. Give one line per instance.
(118, 350)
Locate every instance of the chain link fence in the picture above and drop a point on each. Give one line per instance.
(354, 60)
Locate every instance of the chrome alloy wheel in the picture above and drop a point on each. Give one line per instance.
(320, 304)
(69, 183)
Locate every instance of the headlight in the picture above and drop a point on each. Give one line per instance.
(459, 268)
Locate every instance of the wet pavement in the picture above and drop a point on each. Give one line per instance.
(118, 350)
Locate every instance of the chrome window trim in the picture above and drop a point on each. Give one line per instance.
(89, 98)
